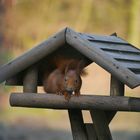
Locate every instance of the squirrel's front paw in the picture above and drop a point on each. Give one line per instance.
(59, 93)
(67, 96)
(77, 94)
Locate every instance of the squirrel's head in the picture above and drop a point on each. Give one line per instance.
(72, 78)
(72, 81)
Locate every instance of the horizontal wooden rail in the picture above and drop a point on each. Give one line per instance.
(85, 102)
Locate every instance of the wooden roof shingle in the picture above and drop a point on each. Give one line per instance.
(112, 53)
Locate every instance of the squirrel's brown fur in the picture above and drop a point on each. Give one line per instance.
(65, 79)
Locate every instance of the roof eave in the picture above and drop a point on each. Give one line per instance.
(83, 45)
(32, 56)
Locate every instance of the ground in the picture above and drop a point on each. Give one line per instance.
(54, 127)
(13, 132)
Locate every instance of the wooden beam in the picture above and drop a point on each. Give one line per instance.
(77, 124)
(101, 125)
(30, 80)
(116, 89)
(91, 131)
(93, 52)
(32, 56)
(85, 102)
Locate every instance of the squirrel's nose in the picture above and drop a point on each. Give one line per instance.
(70, 90)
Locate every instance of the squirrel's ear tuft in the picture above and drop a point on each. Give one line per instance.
(63, 68)
(80, 67)
(66, 68)
(71, 65)
(84, 72)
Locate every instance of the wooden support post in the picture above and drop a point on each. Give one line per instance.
(101, 125)
(91, 131)
(30, 80)
(116, 89)
(77, 124)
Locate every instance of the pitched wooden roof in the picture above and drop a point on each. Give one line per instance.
(112, 53)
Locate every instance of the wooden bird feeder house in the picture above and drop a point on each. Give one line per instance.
(115, 55)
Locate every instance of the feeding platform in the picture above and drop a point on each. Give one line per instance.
(115, 55)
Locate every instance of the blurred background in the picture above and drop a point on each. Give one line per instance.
(25, 23)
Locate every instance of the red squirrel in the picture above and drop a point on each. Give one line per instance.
(66, 78)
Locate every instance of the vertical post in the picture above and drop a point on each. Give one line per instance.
(77, 124)
(101, 124)
(91, 134)
(116, 89)
(102, 119)
(30, 80)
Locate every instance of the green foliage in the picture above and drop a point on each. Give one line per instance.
(36, 20)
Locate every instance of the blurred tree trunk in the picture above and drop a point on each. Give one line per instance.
(5, 27)
(134, 22)
(2, 10)
(7, 22)
(85, 14)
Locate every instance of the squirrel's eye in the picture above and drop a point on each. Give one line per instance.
(76, 81)
(65, 79)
